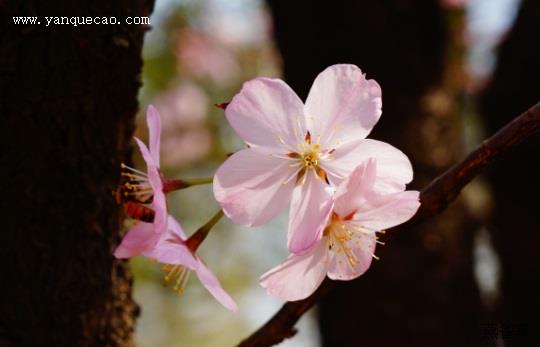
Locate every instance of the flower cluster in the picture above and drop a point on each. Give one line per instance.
(157, 235)
(342, 188)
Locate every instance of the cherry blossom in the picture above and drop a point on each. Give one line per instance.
(142, 188)
(347, 245)
(297, 154)
(143, 194)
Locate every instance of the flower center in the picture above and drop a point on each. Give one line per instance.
(135, 186)
(310, 159)
(178, 272)
(343, 235)
(339, 236)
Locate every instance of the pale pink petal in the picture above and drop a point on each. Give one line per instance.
(354, 189)
(266, 110)
(174, 253)
(138, 240)
(250, 186)
(347, 266)
(342, 105)
(386, 211)
(148, 158)
(154, 132)
(394, 169)
(174, 230)
(210, 282)
(159, 206)
(171, 248)
(311, 205)
(299, 276)
(159, 202)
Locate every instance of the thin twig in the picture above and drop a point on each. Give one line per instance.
(435, 198)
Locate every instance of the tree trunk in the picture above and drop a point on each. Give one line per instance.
(516, 223)
(422, 292)
(68, 99)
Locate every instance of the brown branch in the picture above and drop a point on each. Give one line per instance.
(435, 198)
(445, 188)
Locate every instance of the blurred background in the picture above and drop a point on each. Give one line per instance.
(452, 72)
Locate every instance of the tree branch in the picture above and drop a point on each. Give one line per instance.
(435, 198)
(445, 188)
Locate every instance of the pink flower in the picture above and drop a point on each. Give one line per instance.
(299, 153)
(173, 251)
(141, 188)
(347, 245)
(163, 239)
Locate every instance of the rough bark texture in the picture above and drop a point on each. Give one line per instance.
(67, 103)
(423, 291)
(516, 223)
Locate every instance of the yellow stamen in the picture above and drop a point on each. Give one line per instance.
(343, 235)
(180, 273)
(135, 186)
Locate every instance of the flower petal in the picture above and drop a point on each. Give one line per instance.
(171, 248)
(174, 253)
(137, 241)
(266, 110)
(343, 105)
(148, 158)
(299, 276)
(354, 189)
(174, 229)
(380, 212)
(347, 266)
(154, 132)
(394, 169)
(210, 282)
(311, 205)
(250, 186)
(159, 202)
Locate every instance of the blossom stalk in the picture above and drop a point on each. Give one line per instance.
(170, 185)
(195, 240)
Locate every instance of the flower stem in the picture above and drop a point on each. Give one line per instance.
(199, 181)
(198, 237)
(172, 185)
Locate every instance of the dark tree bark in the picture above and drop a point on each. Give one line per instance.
(68, 99)
(516, 223)
(423, 291)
